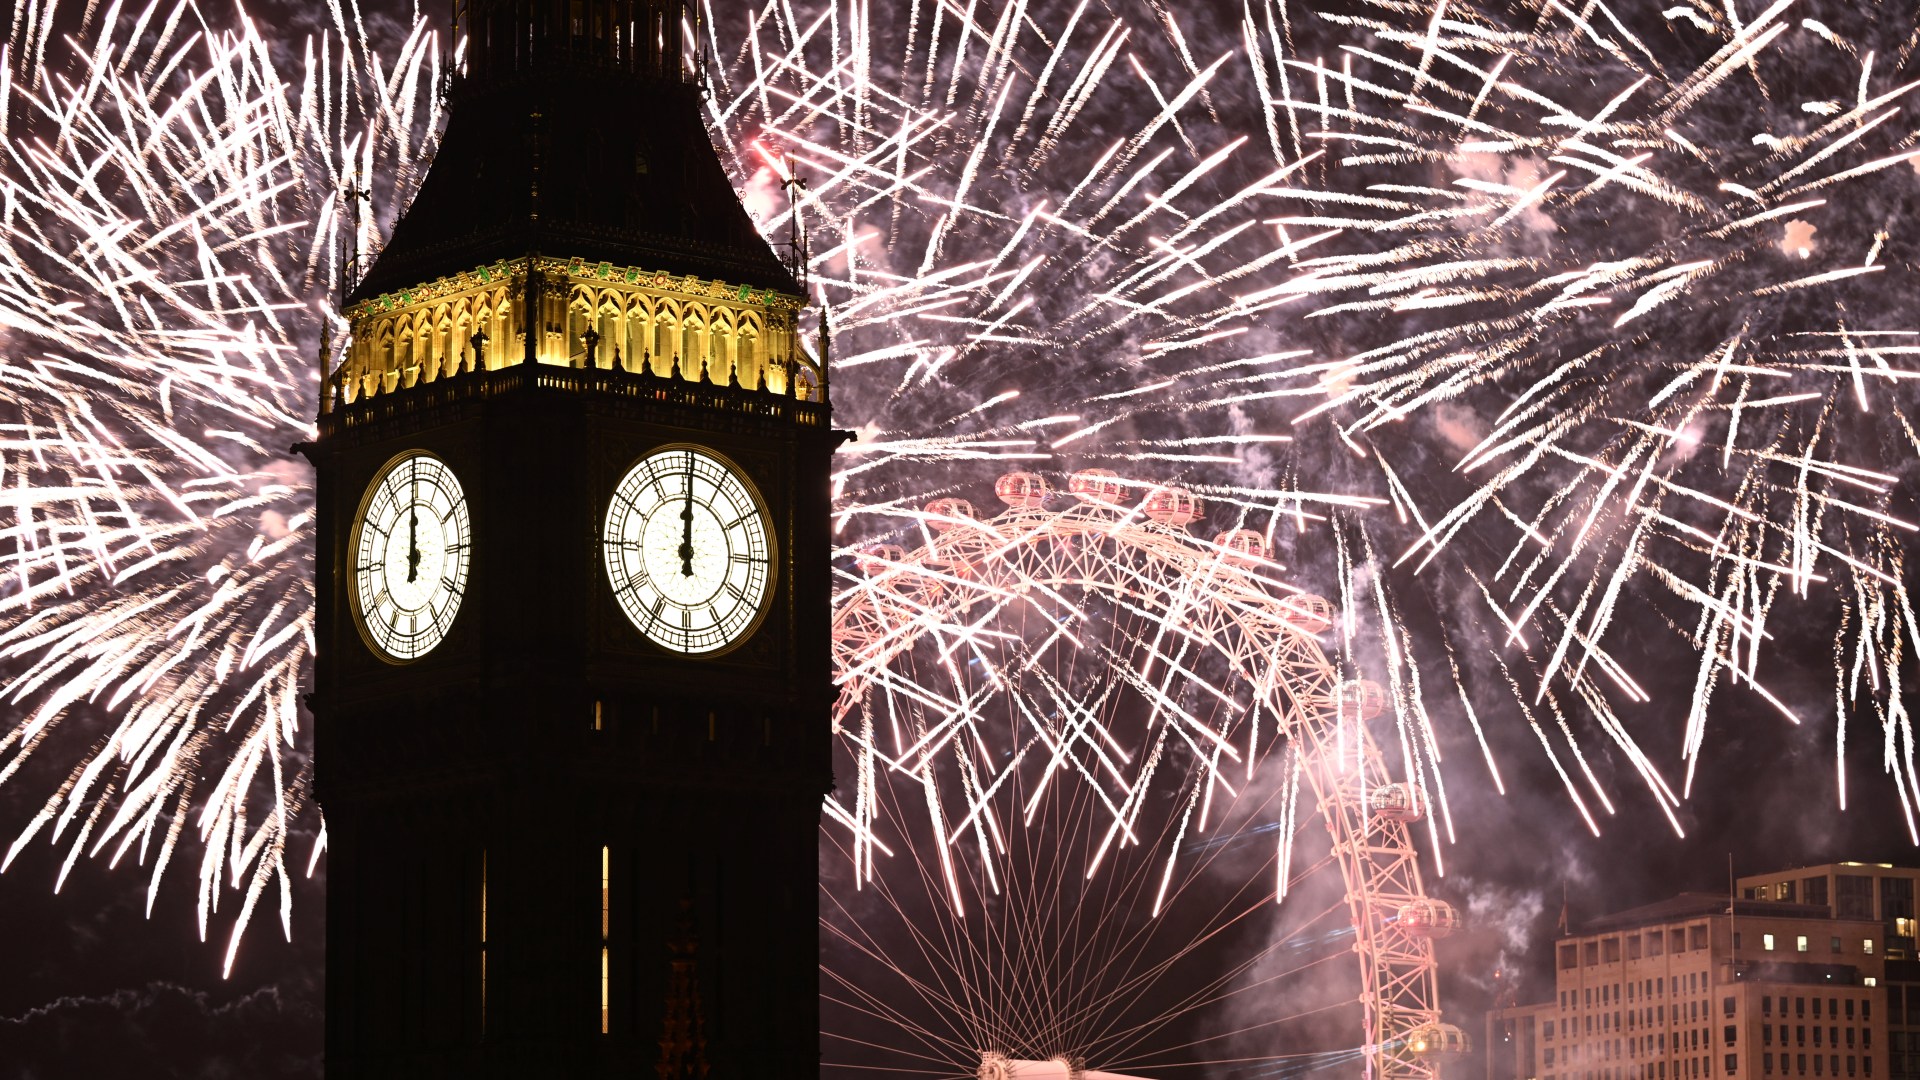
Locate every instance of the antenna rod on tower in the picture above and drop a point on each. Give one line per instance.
(798, 253)
(531, 319)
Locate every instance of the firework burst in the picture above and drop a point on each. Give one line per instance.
(1602, 301)
(171, 215)
(1575, 313)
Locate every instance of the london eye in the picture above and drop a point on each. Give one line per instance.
(1105, 806)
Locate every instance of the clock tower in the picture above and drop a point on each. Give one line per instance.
(573, 684)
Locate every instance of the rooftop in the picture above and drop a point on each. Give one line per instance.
(1693, 904)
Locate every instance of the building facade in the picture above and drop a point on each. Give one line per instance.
(1876, 891)
(1701, 986)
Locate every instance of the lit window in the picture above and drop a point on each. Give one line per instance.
(1870, 981)
(605, 912)
(1800, 943)
(1866, 946)
(1766, 942)
(483, 940)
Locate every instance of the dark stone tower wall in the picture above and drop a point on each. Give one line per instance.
(469, 794)
(576, 144)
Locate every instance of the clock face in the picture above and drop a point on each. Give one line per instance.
(411, 544)
(688, 550)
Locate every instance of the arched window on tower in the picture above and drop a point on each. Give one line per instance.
(579, 318)
(722, 346)
(691, 352)
(457, 343)
(639, 344)
(609, 329)
(484, 320)
(747, 345)
(383, 354)
(665, 340)
(444, 346)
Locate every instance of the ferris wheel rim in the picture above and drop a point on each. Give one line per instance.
(1377, 858)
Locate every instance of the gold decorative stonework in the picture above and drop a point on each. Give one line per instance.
(593, 314)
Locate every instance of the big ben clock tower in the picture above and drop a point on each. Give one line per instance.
(573, 679)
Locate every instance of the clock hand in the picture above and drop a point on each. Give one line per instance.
(413, 528)
(686, 524)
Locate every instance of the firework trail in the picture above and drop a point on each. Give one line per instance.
(1393, 281)
(1601, 299)
(1596, 308)
(182, 206)
(171, 216)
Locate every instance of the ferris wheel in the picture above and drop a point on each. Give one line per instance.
(1080, 748)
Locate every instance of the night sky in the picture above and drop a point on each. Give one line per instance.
(96, 990)
(92, 987)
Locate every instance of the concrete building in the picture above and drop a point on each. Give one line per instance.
(1874, 891)
(1700, 986)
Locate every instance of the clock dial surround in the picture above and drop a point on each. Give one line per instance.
(689, 550)
(412, 545)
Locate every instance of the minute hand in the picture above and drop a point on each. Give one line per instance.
(686, 524)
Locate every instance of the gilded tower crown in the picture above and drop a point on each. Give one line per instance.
(576, 181)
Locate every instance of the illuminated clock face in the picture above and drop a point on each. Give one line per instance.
(411, 545)
(688, 550)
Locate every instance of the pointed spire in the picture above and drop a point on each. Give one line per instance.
(326, 356)
(530, 319)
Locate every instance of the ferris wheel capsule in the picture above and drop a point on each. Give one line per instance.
(1097, 486)
(1396, 802)
(1360, 699)
(1022, 490)
(1307, 613)
(1437, 1042)
(1172, 506)
(944, 514)
(1428, 918)
(879, 558)
(1243, 546)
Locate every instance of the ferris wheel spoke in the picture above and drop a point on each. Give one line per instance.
(1092, 714)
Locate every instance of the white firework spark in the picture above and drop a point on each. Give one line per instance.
(1393, 279)
(171, 219)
